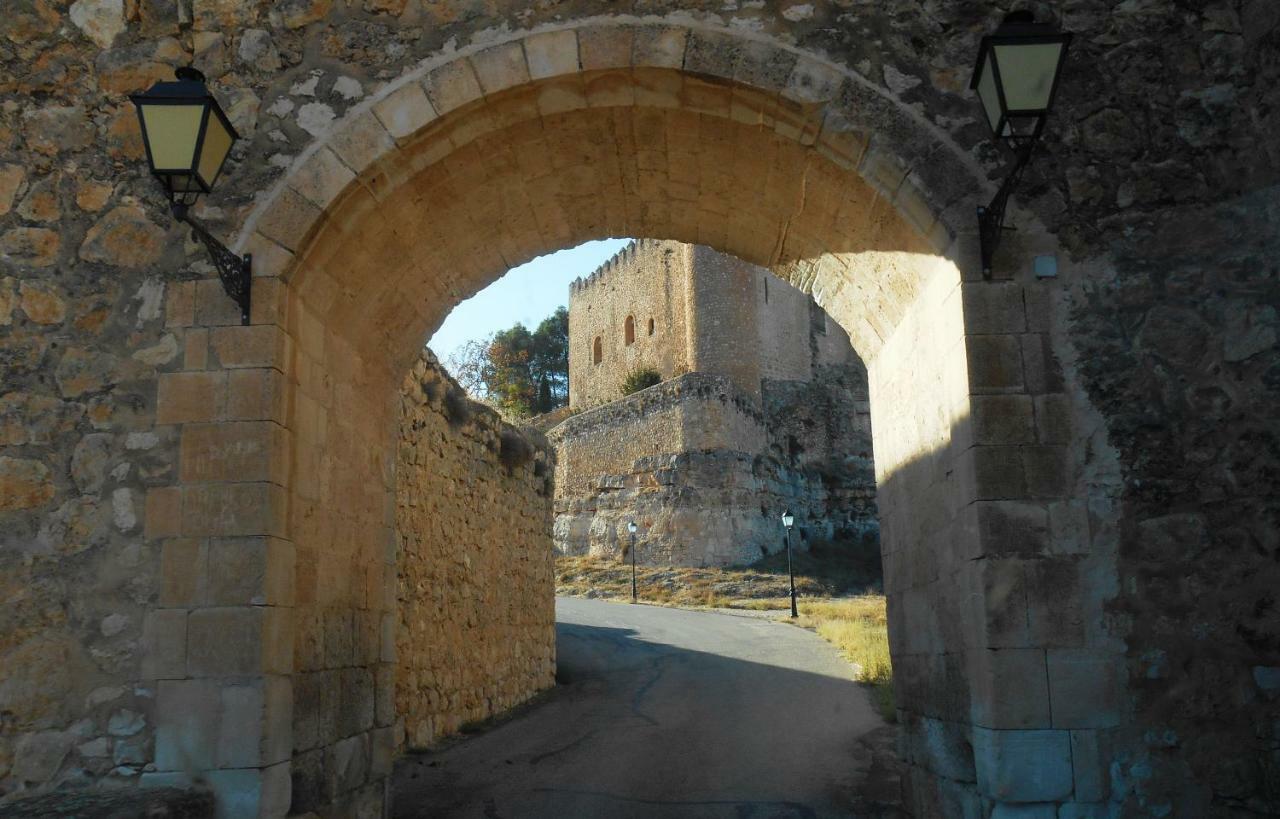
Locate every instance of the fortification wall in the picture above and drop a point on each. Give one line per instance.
(691, 412)
(705, 473)
(476, 628)
(648, 281)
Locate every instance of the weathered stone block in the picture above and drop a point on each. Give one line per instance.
(659, 46)
(233, 509)
(500, 67)
(998, 472)
(995, 364)
(1042, 372)
(239, 451)
(259, 793)
(1046, 469)
(164, 638)
(1003, 419)
(1023, 766)
(163, 517)
(551, 53)
(187, 397)
(998, 600)
(404, 111)
(289, 219)
(187, 724)
(225, 641)
(1055, 613)
(250, 572)
(347, 762)
(603, 47)
(1085, 687)
(452, 85)
(993, 307)
(1009, 688)
(1069, 527)
(257, 394)
(1012, 528)
(1091, 760)
(361, 141)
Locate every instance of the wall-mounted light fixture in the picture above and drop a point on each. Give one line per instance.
(1016, 78)
(188, 138)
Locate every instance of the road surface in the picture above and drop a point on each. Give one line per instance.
(662, 713)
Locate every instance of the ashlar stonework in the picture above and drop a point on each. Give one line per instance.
(763, 407)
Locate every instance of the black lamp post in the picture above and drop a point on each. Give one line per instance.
(188, 138)
(1016, 77)
(631, 528)
(788, 520)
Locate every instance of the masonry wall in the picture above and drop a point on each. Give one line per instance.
(647, 280)
(475, 633)
(701, 470)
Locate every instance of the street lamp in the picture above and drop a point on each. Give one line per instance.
(1016, 77)
(188, 138)
(788, 520)
(631, 527)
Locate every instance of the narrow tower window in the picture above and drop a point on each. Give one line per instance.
(597, 351)
(630, 330)
(650, 326)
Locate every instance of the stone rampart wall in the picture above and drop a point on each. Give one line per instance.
(693, 411)
(476, 628)
(695, 463)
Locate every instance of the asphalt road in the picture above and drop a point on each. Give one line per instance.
(662, 713)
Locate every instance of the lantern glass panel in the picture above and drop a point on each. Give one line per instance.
(172, 132)
(217, 143)
(1027, 72)
(988, 93)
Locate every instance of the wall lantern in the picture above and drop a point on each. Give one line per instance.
(188, 138)
(1016, 77)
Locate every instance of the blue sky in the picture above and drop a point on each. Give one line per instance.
(527, 294)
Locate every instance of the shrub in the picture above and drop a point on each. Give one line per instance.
(640, 378)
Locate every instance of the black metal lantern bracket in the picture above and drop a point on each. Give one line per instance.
(1018, 128)
(991, 217)
(235, 271)
(184, 183)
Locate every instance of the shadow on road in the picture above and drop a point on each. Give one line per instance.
(766, 725)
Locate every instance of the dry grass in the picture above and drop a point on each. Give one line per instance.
(858, 626)
(855, 625)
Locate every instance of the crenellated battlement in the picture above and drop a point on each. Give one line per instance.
(627, 255)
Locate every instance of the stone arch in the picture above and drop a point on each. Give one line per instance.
(597, 350)
(484, 158)
(629, 331)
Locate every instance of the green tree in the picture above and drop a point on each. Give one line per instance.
(508, 377)
(524, 373)
(549, 361)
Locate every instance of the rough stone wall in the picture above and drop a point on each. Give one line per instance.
(705, 473)
(713, 313)
(476, 624)
(823, 427)
(648, 279)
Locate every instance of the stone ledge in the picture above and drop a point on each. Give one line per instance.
(668, 394)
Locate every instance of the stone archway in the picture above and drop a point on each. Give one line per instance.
(482, 159)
